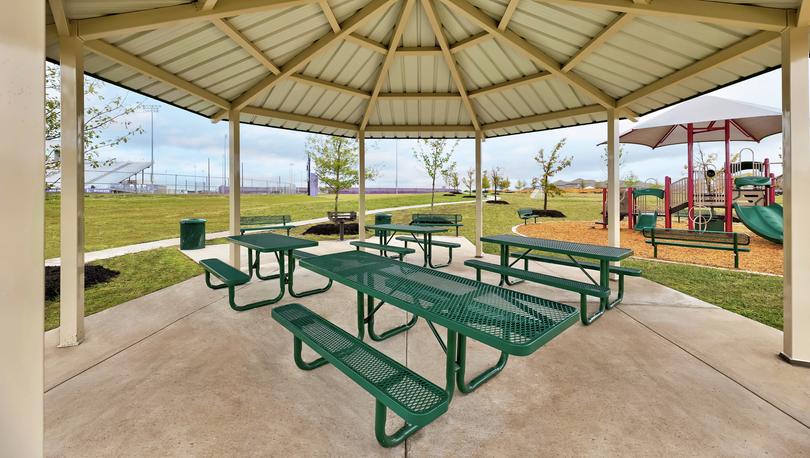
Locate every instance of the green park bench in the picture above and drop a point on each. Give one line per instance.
(229, 276)
(526, 214)
(415, 399)
(298, 255)
(265, 223)
(436, 219)
(710, 240)
(584, 289)
(620, 271)
(449, 245)
(384, 249)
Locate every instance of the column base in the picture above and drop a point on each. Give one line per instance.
(794, 362)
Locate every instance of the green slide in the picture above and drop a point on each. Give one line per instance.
(646, 221)
(766, 222)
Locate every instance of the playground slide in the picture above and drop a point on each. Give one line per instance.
(646, 221)
(766, 222)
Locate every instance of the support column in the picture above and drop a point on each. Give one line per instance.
(361, 187)
(727, 184)
(796, 151)
(71, 283)
(613, 183)
(22, 239)
(690, 176)
(479, 200)
(235, 177)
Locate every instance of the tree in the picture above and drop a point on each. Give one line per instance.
(498, 180)
(485, 184)
(550, 166)
(520, 185)
(335, 162)
(631, 180)
(451, 178)
(620, 162)
(100, 115)
(435, 156)
(469, 180)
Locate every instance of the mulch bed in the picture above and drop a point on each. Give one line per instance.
(764, 257)
(331, 229)
(498, 202)
(93, 275)
(548, 213)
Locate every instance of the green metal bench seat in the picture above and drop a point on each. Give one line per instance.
(415, 399)
(230, 277)
(526, 214)
(437, 219)
(449, 245)
(265, 223)
(584, 289)
(710, 240)
(384, 249)
(300, 254)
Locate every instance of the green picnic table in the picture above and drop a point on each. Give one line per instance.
(603, 255)
(426, 244)
(280, 246)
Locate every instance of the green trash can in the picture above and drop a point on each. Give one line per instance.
(192, 234)
(382, 218)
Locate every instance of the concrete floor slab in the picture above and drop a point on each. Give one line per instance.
(217, 382)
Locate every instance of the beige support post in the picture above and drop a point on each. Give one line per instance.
(361, 187)
(613, 184)
(479, 201)
(71, 283)
(22, 234)
(235, 177)
(796, 150)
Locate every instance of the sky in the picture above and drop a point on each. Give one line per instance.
(184, 143)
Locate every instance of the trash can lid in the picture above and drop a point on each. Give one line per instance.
(192, 220)
(384, 214)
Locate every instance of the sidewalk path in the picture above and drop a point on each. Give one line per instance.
(138, 247)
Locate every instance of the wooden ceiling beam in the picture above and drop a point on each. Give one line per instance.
(330, 15)
(59, 17)
(330, 85)
(420, 96)
(545, 117)
(367, 43)
(206, 5)
(294, 117)
(611, 29)
(239, 38)
(529, 79)
(507, 15)
(470, 41)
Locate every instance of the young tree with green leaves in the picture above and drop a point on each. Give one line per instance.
(335, 162)
(498, 180)
(100, 115)
(469, 180)
(485, 184)
(435, 155)
(550, 166)
(520, 185)
(451, 178)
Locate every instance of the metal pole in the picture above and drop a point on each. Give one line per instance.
(728, 189)
(396, 166)
(690, 176)
(208, 183)
(151, 109)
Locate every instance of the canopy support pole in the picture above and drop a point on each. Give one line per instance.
(613, 183)
(690, 176)
(235, 177)
(71, 278)
(729, 219)
(361, 187)
(479, 201)
(796, 148)
(22, 235)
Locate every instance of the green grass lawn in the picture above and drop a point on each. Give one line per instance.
(140, 274)
(119, 220)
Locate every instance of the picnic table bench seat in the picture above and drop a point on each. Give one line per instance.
(449, 245)
(409, 395)
(710, 240)
(265, 223)
(584, 289)
(437, 219)
(384, 249)
(619, 270)
(230, 277)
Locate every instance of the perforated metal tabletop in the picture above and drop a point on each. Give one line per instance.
(268, 242)
(412, 228)
(510, 321)
(586, 250)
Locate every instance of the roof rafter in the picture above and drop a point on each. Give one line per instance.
(748, 44)
(611, 29)
(206, 5)
(330, 85)
(116, 24)
(528, 79)
(399, 29)
(419, 96)
(228, 29)
(300, 60)
(803, 15)
(153, 71)
(435, 24)
(294, 117)
(367, 43)
(330, 15)
(757, 17)
(470, 41)
(534, 53)
(507, 15)
(59, 17)
(419, 51)
(419, 128)
(546, 117)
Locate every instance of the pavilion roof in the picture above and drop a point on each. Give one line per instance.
(407, 68)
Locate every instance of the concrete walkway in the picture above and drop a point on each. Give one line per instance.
(178, 372)
(138, 247)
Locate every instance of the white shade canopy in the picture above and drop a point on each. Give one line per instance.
(749, 122)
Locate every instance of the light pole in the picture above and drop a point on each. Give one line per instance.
(151, 109)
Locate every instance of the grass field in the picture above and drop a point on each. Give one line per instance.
(118, 220)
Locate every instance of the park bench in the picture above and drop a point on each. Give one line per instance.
(265, 223)
(441, 220)
(618, 270)
(449, 245)
(229, 276)
(415, 399)
(584, 289)
(384, 249)
(299, 255)
(526, 214)
(341, 218)
(710, 240)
